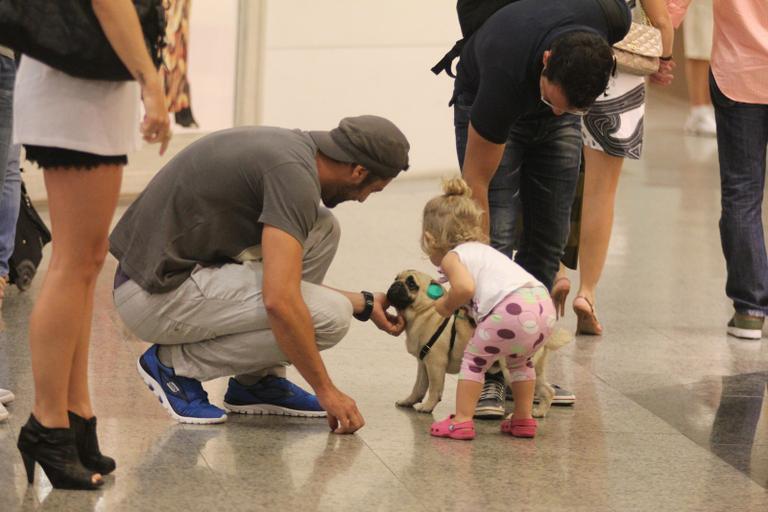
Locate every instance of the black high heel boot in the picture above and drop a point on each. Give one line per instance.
(54, 449)
(88, 445)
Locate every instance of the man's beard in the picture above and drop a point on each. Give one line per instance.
(333, 198)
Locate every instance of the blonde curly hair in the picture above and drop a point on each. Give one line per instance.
(451, 219)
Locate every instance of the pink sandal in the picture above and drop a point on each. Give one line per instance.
(520, 428)
(464, 431)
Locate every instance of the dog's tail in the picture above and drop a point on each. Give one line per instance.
(559, 338)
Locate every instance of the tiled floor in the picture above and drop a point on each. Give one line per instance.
(670, 414)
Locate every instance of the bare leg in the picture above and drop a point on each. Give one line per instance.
(467, 395)
(82, 204)
(697, 73)
(79, 400)
(600, 183)
(523, 392)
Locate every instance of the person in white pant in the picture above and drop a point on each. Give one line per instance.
(222, 261)
(697, 37)
(5, 397)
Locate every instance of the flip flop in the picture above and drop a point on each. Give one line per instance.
(560, 289)
(587, 322)
(520, 428)
(463, 431)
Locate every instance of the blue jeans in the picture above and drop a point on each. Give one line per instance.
(742, 135)
(537, 179)
(10, 180)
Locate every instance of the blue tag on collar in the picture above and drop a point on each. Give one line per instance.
(435, 291)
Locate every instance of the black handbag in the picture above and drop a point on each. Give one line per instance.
(31, 236)
(66, 35)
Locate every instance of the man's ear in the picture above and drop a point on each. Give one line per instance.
(545, 57)
(359, 173)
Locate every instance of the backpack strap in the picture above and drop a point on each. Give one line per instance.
(446, 62)
(619, 19)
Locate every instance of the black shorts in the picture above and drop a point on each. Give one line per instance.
(50, 157)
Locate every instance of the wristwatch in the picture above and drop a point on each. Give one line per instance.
(365, 314)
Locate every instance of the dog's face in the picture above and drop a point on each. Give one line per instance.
(410, 290)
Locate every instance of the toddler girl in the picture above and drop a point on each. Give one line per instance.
(513, 311)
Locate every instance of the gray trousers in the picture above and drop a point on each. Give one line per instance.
(215, 323)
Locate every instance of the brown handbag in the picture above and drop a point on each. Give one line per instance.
(638, 53)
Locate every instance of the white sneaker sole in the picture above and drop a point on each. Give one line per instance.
(745, 334)
(273, 410)
(157, 390)
(489, 413)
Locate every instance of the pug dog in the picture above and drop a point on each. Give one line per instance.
(544, 392)
(412, 295)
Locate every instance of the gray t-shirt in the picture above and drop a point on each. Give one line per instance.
(208, 205)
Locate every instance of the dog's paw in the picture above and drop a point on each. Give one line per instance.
(405, 403)
(425, 408)
(540, 410)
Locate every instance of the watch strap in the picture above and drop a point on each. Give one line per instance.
(365, 314)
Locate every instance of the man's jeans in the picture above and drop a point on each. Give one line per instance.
(537, 177)
(215, 323)
(10, 181)
(742, 135)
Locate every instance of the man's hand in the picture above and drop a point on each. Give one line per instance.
(387, 322)
(343, 416)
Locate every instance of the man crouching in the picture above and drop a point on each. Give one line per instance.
(222, 259)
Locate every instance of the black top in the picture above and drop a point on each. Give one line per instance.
(501, 63)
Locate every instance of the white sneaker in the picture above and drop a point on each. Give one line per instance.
(6, 396)
(3, 413)
(701, 121)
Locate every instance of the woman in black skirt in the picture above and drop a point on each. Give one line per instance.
(79, 132)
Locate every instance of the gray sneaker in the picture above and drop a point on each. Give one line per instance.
(746, 327)
(562, 396)
(491, 403)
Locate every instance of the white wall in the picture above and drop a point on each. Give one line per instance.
(212, 60)
(324, 60)
(316, 62)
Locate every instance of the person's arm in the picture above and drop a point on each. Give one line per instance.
(292, 325)
(462, 285)
(121, 25)
(481, 160)
(658, 15)
(391, 324)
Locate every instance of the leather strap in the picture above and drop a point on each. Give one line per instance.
(426, 348)
(445, 63)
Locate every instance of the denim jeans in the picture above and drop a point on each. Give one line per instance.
(742, 135)
(10, 180)
(537, 179)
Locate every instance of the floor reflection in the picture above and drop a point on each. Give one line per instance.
(727, 415)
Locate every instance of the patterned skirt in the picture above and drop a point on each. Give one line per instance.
(614, 124)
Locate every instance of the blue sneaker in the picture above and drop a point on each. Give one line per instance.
(272, 395)
(184, 398)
